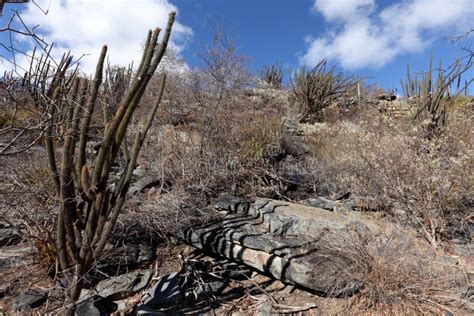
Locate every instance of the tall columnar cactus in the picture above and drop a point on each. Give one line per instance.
(90, 205)
(430, 98)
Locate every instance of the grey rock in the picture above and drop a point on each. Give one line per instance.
(342, 195)
(387, 97)
(124, 285)
(232, 204)
(235, 271)
(470, 293)
(145, 253)
(119, 259)
(285, 240)
(95, 306)
(321, 203)
(143, 183)
(32, 298)
(6, 287)
(11, 262)
(210, 288)
(167, 291)
(9, 237)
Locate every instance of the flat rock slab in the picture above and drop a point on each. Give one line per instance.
(288, 241)
(121, 286)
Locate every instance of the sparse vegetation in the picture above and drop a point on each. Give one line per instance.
(272, 75)
(315, 89)
(431, 97)
(110, 175)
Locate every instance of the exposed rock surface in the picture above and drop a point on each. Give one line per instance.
(123, 285)
(286, 240)
(29, 300)
(95, 306)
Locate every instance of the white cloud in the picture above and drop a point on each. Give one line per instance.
(343, 10)
(371, 38)
(84, 26)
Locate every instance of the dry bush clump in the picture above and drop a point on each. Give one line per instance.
(429, 181)
(400, 275)
(272, 75)
(160, 215)
(27, 202)
(315, 89)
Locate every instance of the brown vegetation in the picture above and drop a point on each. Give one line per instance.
(217, 133)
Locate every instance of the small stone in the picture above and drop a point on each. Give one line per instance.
(143, 183)
(145, 253)
(6, 287)
(124, 285)
(342, 195)
(32, 298)
(214, 287)
(232, 204)
(321, 203)
(470, 292)
(234, 271)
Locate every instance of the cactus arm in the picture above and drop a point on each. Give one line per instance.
(90, 104)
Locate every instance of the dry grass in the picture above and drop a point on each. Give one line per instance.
(400, 276)
(376, 156)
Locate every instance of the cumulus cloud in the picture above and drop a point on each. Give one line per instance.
(343, 10)
(84, 26)
(369, 37)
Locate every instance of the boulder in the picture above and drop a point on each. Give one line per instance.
(30, 299)
(287, 241)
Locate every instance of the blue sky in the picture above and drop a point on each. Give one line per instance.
(368, 38)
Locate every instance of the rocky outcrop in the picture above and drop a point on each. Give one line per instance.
(288, 241)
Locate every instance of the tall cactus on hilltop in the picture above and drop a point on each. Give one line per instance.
(430, 98)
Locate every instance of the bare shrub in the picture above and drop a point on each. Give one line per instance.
(399, 275)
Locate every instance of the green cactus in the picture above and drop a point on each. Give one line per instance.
(89, 205)
(430, 99)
